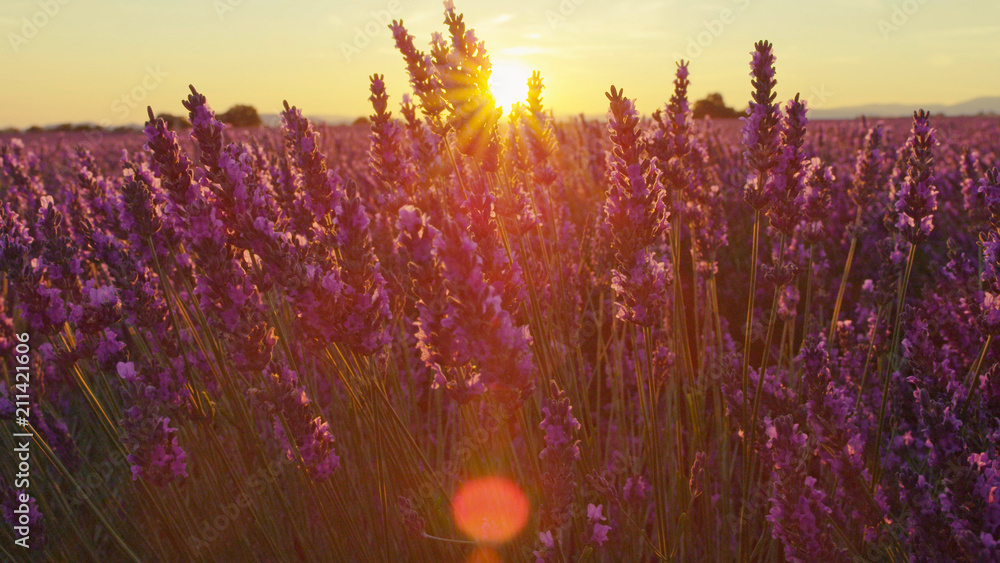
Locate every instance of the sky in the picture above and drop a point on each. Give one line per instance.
(104, 61)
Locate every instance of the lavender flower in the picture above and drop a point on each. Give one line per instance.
(385, 155)
(673, 142)
(207, 130)
(558, 457)
(17, 164)
(147, 435)
(501, 347)
(990, 188)
(799, 508)
(423, 77)
(600, 531)
(473, 113)
(916, 200)
(442, 343)
(364, 300)
(539, 131)
(500, 266)
(37, 272)
(296, 429)
(761, 126)
(170, 166)
(411, 518)
(321, 187)
(816, 200)
(636, 217)
(868, 167)
(788, 180)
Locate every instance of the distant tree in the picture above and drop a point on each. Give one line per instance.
(174, 122)
(241, 116)
(361, 121)
(713, 106)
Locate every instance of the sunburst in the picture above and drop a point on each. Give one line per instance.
(509, 82)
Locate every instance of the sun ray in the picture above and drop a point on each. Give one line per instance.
(508, 82)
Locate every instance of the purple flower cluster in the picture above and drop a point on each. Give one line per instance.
(988, 302)
(284, 400)
(761, 127)
(790, 174)
(916, 199)
(636, 218)
(466, 318)
(558, 458)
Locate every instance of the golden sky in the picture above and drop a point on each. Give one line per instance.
(103, 61)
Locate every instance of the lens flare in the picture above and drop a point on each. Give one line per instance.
(491, 510)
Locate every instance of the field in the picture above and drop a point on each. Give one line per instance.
(456, 333)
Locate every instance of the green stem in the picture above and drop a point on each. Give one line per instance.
(745, 371)
(970, 380)
(658, 474)
(843, 279)
(892, 361)
(868, 359)
(807, 308)
(750, 305)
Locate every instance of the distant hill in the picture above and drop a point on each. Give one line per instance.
(976, 106)
(988, 105)
(274, 120)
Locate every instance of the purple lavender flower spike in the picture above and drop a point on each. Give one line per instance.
(558, 456)
(987, 306)
(365, 301)
(761, 126)
(788, 180)
(636, 217)
(869, 167)
(916, 200)
(322, 187)
(207, 130)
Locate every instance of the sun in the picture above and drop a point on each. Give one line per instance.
(509, 82)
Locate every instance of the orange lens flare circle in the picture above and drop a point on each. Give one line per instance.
(491, 510)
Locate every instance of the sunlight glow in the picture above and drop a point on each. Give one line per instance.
(491, 510)
(509, 82)
(483, 554)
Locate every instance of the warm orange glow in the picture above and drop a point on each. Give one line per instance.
(490, 509)
(484, 554)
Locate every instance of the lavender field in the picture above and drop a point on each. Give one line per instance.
(458, 333)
